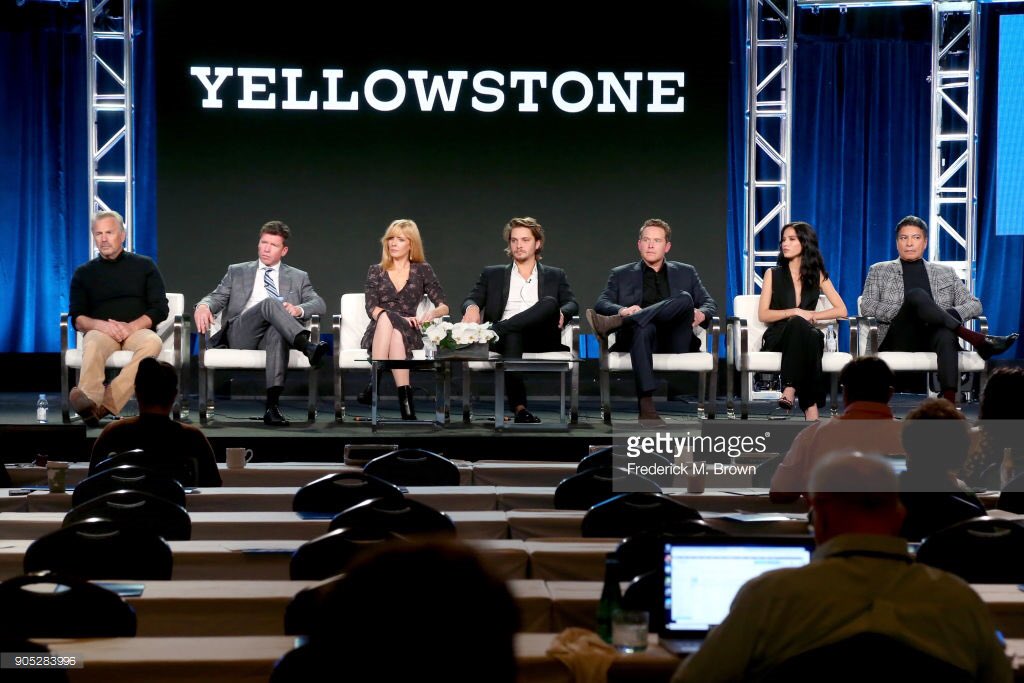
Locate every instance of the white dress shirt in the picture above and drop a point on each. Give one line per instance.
(522, 293)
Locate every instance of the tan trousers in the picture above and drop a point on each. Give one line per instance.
(98, 348)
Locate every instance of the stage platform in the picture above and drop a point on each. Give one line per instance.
(238, 422)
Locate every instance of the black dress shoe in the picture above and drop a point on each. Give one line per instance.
(315, 353)
(525, 417)
(274, 418)
(994, 346)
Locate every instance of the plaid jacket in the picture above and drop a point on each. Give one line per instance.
(883, 293)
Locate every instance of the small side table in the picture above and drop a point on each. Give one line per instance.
(533, 365)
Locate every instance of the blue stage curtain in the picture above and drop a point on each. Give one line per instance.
(44, 161)
(1000, 264)
(43, 152)
(860, 148)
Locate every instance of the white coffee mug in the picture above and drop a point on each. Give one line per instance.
(236, 458)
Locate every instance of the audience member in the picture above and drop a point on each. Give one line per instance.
(860, 581)
(936, 439)
(867, 385)
(999, 415)
(410, 611)
(154, 432)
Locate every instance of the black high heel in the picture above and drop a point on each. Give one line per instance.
(785, 403)
(365, 396)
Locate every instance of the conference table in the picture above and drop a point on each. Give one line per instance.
(466, 497)
(250, 659)
(547, 559)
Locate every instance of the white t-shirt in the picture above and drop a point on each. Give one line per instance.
(522, 293)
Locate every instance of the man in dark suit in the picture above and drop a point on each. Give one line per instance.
(526, 302)
(262, 303)
(654, 304)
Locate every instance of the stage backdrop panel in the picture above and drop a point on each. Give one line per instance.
(590, 124)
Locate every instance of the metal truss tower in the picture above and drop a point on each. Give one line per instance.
(111, 112)
(769, 104)
(953, 138)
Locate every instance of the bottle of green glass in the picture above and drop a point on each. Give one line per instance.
(611, 597)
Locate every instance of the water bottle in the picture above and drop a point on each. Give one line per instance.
(42, 406)
(611, 597)
(831, 340)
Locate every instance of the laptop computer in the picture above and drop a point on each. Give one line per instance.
(703, 574)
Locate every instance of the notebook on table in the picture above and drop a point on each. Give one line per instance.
(703, 574)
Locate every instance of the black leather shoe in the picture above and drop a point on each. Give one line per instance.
(994, 346)
(274, 418)
(315, 353)
(525, 417)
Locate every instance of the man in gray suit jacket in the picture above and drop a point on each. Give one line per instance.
(921, 306)
(262, 303)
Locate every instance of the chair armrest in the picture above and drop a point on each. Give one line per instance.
(982, 324)
(65, 322)
(716, 336)
(574, 326)
(737, 338)
(314, 328)
(336, 331)
(866, 327)
(177, 333)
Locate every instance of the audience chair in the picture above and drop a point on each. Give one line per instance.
(329, 555)
(414, 467)
(349, 328)
(182, 468)
(584, 490)
(334, 493)
(644, 552)
(931, 511)
(744, 355)
(174, 333)
(864, 338)
(570, 339)
(983, 550)
(860, 658)
(602, 457)
(703, 362)
(212, 359)
(101, 549)
(79, 610)
(130, 478)
(306, 663)
(136, 510)
(400, 516)
(632, 513)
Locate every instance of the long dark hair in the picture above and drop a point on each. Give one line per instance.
(812, 266)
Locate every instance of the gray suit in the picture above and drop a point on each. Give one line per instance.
(267, 325)
(884, 296)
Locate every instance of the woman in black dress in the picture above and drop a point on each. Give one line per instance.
(789, 298)
(394, 290)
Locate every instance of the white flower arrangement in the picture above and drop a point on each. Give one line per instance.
(446, 335)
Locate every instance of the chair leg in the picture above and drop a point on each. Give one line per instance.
(834, 394)
(574, 396)
(606, 403)
(314, 395)
(702, 382)
(745, 395)
(467, 396)
(204, 391)
(65, 408)
(339, 395)
(730, 404)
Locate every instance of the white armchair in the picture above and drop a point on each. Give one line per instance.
(213, 359)
(864, 332)
(348, 328)
(703, 362)
(744, 354)
(173, 331)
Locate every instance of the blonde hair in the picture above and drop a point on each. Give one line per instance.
(409, 230)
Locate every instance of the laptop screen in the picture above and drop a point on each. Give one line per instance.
(702, 576)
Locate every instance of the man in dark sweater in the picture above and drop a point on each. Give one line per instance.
(117, 300)
(922, 306)
(175, 448)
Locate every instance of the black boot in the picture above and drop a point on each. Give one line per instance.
(405, 403)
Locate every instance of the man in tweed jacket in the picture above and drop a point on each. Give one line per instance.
(921, 306)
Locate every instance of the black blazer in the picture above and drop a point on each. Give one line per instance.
(626, 288)
(491, 293)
